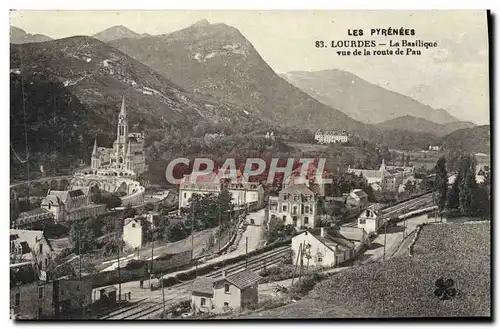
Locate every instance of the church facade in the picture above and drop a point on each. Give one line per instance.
(126, 157)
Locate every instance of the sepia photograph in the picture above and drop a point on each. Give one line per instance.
(250, 164)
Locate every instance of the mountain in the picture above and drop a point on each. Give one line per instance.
(473, 140)
(361, 99)
(410, 123)
(216, 59)
(72, 92)
(117, 32)
(18, 36)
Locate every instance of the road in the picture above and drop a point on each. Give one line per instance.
(254, 233)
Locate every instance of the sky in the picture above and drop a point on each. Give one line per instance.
(453, 76)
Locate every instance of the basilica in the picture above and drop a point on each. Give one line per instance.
(126, 157)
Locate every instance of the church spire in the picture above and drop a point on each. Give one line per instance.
(94, 151)
(123, 111)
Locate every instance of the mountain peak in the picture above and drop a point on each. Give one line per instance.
(116, 32)
(18, 36)
(201, 23)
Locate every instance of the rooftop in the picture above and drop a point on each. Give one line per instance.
(203, 285)
(298, 188)
(243, 279)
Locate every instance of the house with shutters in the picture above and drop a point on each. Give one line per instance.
(296, 205)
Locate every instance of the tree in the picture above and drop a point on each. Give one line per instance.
(149, 207)
(453, 200)
(82, 237)
(468, 185)
(410, 187)
(177, 231)
(402, 160)
(407, 164)
(441, 182)
(129, 212)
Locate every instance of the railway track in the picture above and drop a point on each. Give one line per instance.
(151, 306)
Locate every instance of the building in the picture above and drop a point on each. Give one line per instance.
(246, 193)
(236, 291)
(242, 191)
(297, 205)
(135, 231)
(202, 295)
(127, 156)
(30, 246)
(388, 178)
(321, 248)
(329, 137)
(356, 235)
(357, 199)
(68, 206)
(70, 295)
(434, 148)
(371, 219)
(34, 218)
(226, 293)
(30, 297)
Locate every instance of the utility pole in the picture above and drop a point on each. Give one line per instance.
(119, 276)
(220, 225)
(79, 257)
(385, 236)
(152, 257)
(296, 263)
(162, 293)
(246, 252)
(192, 231)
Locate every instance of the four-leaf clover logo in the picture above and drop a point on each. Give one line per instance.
(445, 290)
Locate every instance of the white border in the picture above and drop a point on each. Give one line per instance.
(198, 5)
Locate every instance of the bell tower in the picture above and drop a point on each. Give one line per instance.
(122, 136)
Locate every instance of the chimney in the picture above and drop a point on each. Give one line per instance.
(323, 232)
(224, 273)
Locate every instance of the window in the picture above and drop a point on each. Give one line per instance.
(62, 292)
(40, 311)
(121, 130)
(40, 292)
(226, 287)
(46, 262)
(306, 209)
(41, 248)
(78, 288)
(285, 196)
(306, 220)
(284, 218)
(362, 220)
(17, 300)
(320, 258)
(203, 301)
(184, 195)
(284, 208)
(133, 225)
(294, 212)
(295, 198)
(226, 304)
